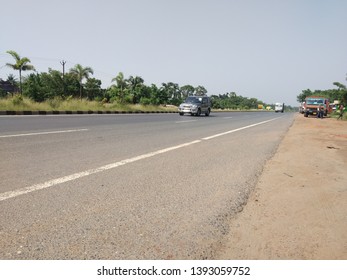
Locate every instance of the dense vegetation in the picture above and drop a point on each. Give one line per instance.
(339, 93)
(51, 85)
(55, 87)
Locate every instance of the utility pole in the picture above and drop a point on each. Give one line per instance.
(63, 64)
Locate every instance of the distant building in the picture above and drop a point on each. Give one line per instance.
(7, 87)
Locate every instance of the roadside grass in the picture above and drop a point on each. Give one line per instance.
(336, 115)
(19, 103)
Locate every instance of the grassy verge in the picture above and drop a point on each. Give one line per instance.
(336, 115)
(19, 103)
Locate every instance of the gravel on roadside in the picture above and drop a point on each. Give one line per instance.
(298, 209)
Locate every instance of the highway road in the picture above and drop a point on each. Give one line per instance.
(142, 186)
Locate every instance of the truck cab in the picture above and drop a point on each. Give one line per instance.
(313, 103)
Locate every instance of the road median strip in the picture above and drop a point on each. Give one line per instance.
(78, 112)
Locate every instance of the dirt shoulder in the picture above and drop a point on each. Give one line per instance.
(298, 209)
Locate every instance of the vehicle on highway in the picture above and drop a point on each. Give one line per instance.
(312, 103)
(195, 106)
(279, 107)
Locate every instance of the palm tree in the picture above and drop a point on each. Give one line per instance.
(135, 81)
(200, 91)
(172, 90)
(134, 84)
(187, 90)
(81, 73)
(20, 65)
(121, 84)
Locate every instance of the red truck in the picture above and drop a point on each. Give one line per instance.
(312, 103)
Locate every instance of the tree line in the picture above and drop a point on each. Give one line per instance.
(339, 93)
(79, 83)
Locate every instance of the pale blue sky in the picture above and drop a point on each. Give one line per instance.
(268, 49)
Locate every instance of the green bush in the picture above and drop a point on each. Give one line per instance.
(20, 103)
(145, 101)
(55, 102)
(17, 100)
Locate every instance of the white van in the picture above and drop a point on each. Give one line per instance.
(279, 107)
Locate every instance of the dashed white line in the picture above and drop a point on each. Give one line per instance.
(54, 182)
(237, 129)
(186, 121)
(82, 174)
(43, 133)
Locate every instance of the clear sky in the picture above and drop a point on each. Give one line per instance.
(267, 49)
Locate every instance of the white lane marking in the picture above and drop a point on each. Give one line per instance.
(237, 129)
(186, 121)
(227, 117)
(43, 133)
(54, 182)
(82, 174)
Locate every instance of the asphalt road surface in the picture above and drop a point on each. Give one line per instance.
(144, 186)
